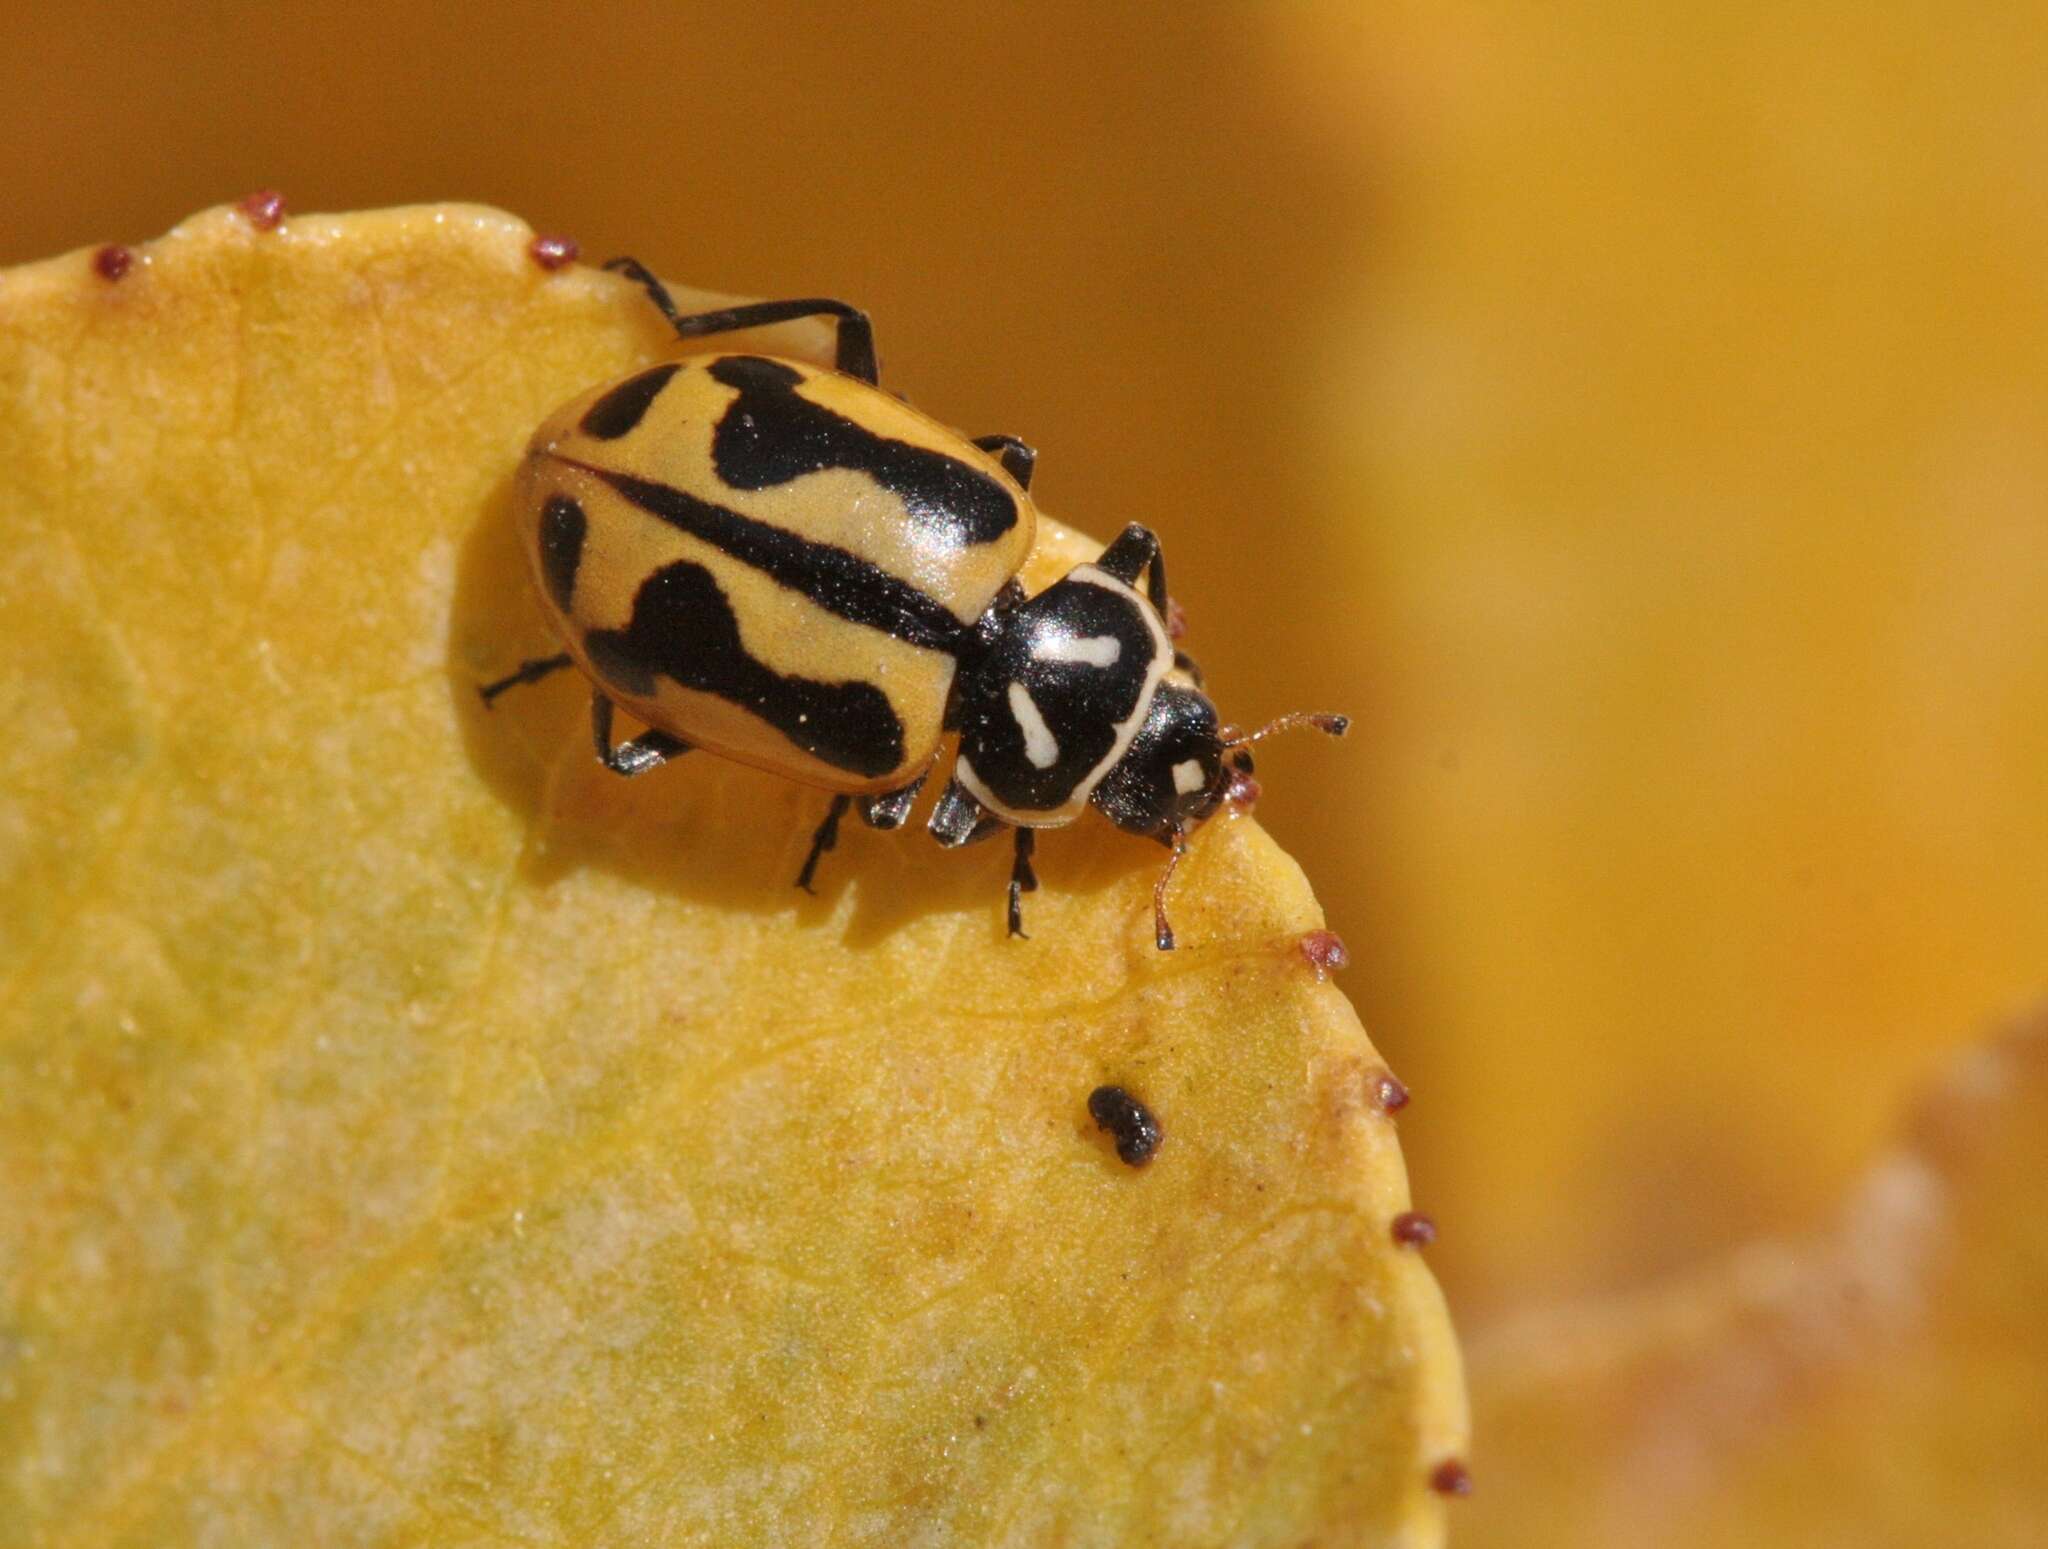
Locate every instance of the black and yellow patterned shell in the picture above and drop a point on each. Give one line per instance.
(774, 562)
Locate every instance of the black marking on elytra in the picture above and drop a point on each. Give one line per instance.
(683, 628)
(562, 528)
(1081, 704)
(622, 409)
(1129, 1121)
(836, 579)
(771, 434)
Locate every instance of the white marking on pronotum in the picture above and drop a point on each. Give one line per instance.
(1187, 776)
(1095, 651)
(1040, 746)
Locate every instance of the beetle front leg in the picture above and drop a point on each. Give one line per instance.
(1162, 932)
(824, 839)
(649, 750)
(1137, 548)
(1022, 880)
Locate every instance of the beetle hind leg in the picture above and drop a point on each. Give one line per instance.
(531, 671)
(856, 335)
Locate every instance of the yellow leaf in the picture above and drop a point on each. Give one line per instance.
(1679, 539)
(410, 1133)
(1880, 1386)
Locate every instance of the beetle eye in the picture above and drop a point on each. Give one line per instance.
(1241, 761)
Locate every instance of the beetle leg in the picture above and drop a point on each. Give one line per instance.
(1017, 458)
(856, 335)
(824, 839)
(889, 809)
(1137, 547)
(649, 750)
(959, 819)
(1022, 879)
(529, 672)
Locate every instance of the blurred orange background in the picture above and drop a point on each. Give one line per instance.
(1639, 422)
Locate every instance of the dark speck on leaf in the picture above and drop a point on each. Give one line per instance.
(1128, 1120)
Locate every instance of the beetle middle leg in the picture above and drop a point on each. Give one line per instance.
(1017, 457)
(890, 808)
(856, 335)
(824, 839)
(649, 750)
(959, 819)
(887, 810)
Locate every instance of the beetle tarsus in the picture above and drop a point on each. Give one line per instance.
(891, 808)
(649, 750)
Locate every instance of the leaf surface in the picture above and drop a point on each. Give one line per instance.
(412, 1134)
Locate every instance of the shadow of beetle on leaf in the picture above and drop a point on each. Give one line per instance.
(703, 827)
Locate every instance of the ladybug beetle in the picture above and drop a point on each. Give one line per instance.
(788, 566)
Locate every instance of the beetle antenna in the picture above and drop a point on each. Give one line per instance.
(1335, 725)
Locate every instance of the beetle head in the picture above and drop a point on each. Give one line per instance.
(1182, 764)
